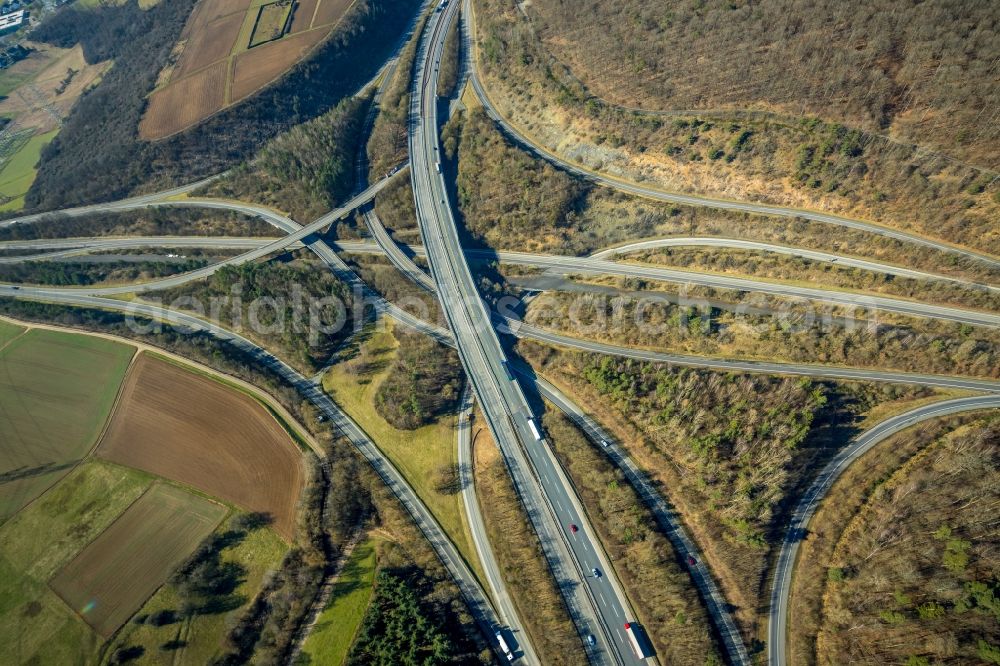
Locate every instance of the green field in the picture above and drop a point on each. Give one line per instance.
(259, 552)
(35, 624)
(416, 453)
(56, 391)
(19, 173)
(8, 332)
(271, 20)
(334, 632)
(110, 579)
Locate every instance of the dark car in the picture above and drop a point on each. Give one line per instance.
(573, 528)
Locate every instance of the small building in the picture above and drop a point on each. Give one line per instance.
(12, 21)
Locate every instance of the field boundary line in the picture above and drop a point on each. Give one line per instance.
(145, 346)
(154, 482)
(114, 405)
(16, 337)
(226, 380)
(28, 326)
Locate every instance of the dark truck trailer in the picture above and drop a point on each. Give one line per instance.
(637, 639)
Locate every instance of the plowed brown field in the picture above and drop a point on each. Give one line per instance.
(175, 107)
(114, 575)
(212, 42)
(261, 65)
(302, 19)
(189, 428)
(221, 63)
(330, 11)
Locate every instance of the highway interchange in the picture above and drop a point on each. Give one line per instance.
(598, 605)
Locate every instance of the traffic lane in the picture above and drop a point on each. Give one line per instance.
(460, 277)
(522, 330)
(807, 506)
(543, 153)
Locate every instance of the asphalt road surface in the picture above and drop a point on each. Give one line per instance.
(595, 603)
(530, 145)
(475, 597)
(807, 505)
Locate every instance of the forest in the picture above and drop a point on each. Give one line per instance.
(307, 170)
(423, 383)
(921, 71)
(72, 172)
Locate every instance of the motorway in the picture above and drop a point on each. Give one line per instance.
(807, 505)
(476, 598)
(537, 475)
(528, 331)
(519, 329)
(715, 603)
(565, 265)
(528, 144)
(596, 603)
(812, 255)
(511, 625)
(463, 436)
(296, 233)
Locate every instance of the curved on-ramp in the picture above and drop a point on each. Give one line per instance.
(807, 505)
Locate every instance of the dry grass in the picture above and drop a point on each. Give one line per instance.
(270, 24)
(186, 427)
(47, 96)
(418, 454)
(213, 67)
(110, 579)
(520, 558)
(209, 43)
(302, 18)
(790, 161)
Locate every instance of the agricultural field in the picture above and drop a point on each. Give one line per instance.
(245, 44)
(37, 94)
(19, 172)
(77, 515)
(34, 621)
(112, 577)
(198, 638)
(56, 392)
(334, 631)
(167, 417)
(118, 541)
(8, 332)
(272, 19)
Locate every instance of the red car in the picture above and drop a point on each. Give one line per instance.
(573, 528)
(691, 561)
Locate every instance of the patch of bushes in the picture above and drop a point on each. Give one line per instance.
(423, 383)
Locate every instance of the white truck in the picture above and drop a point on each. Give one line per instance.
(504, 648)
(637, 639)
